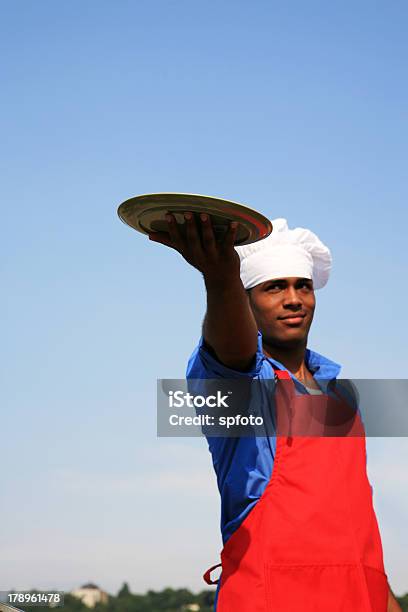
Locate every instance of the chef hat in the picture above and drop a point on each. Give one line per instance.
(284, 253)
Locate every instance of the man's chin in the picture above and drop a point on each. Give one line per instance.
(290, 339)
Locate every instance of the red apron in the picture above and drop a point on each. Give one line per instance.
(312, 542)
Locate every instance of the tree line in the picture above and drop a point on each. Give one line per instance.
(167, 600)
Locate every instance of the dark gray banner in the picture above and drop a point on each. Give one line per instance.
(10, 601)
(241, 407)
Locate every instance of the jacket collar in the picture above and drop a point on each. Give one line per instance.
(320, 366)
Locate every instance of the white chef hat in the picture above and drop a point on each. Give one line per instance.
(284, 253)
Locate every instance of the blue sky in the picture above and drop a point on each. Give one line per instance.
(296, 109)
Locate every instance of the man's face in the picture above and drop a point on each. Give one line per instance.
(283, 309)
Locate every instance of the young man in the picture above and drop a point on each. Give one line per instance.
(298, 524)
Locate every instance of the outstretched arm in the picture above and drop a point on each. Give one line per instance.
(229, 326)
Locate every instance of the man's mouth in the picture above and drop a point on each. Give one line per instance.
(293, 319)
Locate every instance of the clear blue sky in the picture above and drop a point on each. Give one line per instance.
(297, 109)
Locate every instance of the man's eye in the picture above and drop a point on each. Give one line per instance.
(274, 287)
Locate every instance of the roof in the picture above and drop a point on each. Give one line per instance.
(89, 585)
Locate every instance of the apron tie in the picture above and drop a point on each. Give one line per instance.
(207, 577)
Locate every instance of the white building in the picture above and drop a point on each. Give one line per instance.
(90, 594)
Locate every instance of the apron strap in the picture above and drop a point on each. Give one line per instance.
(207, 577)
(284, 375)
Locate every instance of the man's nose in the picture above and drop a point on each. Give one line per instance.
(291, 298)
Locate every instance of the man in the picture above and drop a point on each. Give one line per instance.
(297, 520)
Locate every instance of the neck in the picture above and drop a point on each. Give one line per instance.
(292, 358)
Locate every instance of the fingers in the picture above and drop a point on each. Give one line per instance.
(193, 239)
(188, 245)
(178, 241)
(208, 237)
(230, 237)
(196, 248)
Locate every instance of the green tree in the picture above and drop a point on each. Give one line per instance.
(124, 591)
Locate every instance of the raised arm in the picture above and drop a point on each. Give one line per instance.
(229, 326)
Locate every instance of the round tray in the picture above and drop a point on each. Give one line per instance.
(146, 214)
